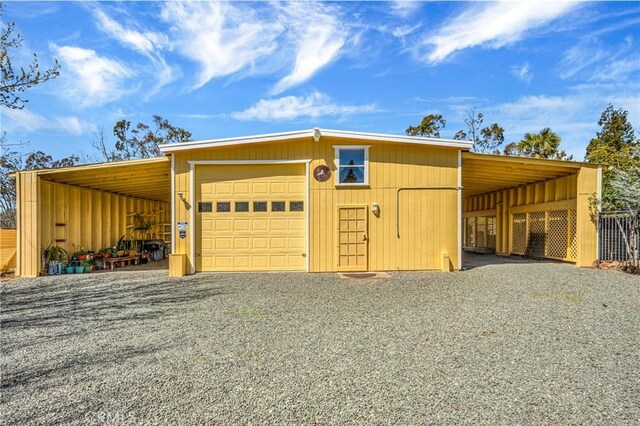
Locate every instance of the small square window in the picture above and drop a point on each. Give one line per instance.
(205, 207)
(223, 206)
(242, 206)
(278, 206)
(259, 206)
(353, 165)
(296, 206)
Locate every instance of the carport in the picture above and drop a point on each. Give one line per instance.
(89, 207)
(526, 206)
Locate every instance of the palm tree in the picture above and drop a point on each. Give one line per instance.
(544, 144)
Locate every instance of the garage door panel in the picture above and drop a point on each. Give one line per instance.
(278, 188)
(279, 224)
(240, 225)
(258, 239)
(221, 243)
(222, 225)
(260, 243)
(260, 224)
(278, 243)
(297, 224)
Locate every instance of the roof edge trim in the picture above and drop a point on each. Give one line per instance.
(274, 137)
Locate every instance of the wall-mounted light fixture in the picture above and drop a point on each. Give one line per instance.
(375, 209)
(181, 196)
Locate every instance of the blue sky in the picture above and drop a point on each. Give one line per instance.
(228, 69)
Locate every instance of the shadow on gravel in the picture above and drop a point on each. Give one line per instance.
(101, 304)
(477, 260)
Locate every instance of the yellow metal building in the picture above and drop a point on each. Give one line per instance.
(318, 201)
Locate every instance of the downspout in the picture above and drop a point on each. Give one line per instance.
(418, 188)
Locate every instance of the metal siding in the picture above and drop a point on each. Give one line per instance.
(427, 215)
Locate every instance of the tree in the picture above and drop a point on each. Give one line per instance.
(430, 126)
(142, 142)
(544, 144)
(485, 139)
(15, 82)
(11, 161)
(614, 145)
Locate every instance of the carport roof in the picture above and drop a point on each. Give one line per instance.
(148, 178)
(483, 173)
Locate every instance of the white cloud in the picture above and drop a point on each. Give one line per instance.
(90, 79)
(147, 43)
(292, 107)
(591, 60)
(523, 72)
(617, 70)
(144, 42)
(574, 116)
(319, 36)
(490, 24)
(29, 122)
(404, 8)
(223, 38)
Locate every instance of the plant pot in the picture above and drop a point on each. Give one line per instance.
(69, 269)
(82, 257)
(93, 268)
(106, 255)
(87, 269)
(79, 269)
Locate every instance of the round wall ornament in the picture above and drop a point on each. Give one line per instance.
(322, 173)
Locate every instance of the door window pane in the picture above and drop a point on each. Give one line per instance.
(242, 206)
(259, 206)
(277, 206)
(205, 207)
(296, 206)
(223, 206)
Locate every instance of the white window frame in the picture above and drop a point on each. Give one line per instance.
(366, 164)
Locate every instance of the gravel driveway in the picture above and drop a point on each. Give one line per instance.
(514, 343)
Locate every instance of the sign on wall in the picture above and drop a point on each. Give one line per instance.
(322, 173)
(182, 229)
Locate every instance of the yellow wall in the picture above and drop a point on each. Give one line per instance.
(7, 248)
(72, 218)
(569, 192)
(428, 219)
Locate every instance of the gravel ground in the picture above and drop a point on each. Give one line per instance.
(514, 343)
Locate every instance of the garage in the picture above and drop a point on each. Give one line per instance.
(316, 200)
(251, 217)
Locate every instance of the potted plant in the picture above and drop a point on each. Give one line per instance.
(54, 258)
(143, 225)
(69, 269)
(79, 269)
(81, 255)
(86, 266)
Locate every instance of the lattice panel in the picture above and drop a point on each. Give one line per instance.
(573, 242)
(491, 232)
(557, 234)
(481, 232)
(536, 242)
(470, 232)
(519, 234)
